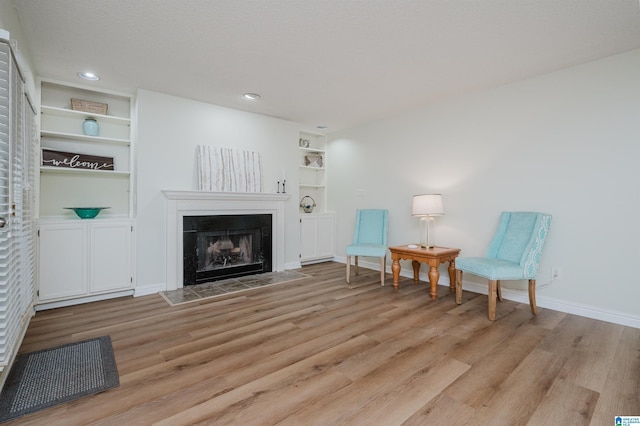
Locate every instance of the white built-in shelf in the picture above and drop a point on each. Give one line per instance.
(67, 170)
(65, 112)
(312, 172)
(84, 138)
(312, 150)
(61, 129)
(311, 167)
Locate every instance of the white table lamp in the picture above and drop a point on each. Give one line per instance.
(426, 206)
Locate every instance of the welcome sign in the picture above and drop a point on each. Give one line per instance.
(71, 160)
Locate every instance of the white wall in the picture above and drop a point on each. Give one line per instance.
(565, 143)
(169, 129)
(9, 21)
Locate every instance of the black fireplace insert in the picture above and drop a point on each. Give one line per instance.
(225, 246)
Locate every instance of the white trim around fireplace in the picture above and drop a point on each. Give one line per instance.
(202, 203)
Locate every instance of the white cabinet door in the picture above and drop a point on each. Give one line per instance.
(308, 237)
(82, 258)
(317, 237)
(110, 256)
(62, 254)
(326, 240)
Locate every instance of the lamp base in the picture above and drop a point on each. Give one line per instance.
(424, 233)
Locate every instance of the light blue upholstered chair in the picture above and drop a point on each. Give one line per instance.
(514, 254)
(369, 239)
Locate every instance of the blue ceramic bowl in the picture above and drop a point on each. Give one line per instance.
(87, 212)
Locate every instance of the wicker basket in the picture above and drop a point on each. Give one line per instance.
(89, 106)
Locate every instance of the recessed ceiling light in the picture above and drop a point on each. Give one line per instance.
(321, 126)
(88, 76)
(251, 96)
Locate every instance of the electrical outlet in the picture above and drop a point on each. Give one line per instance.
(556, 273)
(361, 193)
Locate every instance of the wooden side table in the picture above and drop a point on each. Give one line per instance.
(433, 257)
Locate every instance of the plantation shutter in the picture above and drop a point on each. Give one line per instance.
(18, 142)
(6, 274)
(30, 171)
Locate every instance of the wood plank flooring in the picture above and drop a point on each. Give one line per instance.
(321, 352)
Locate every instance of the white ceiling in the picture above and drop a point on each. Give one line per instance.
(338, 63)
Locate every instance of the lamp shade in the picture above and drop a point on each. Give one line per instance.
(427, 205)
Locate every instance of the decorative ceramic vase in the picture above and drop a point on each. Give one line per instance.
(90, 127)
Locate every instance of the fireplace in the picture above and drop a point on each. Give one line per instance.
(183, 204)
(225, 246)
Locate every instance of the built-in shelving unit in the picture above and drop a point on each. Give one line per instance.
(81, 260)
(61, 130)
(318, 228)
(312, 169)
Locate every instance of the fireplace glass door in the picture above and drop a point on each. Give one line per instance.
(225, 246)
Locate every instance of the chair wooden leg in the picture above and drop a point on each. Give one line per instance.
(356, 262)
(493, 284)
(532, 296)
(498, 290)
(383, 263)
(348, 268)
(458, 286)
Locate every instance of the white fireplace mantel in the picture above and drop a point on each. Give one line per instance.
(203, 203)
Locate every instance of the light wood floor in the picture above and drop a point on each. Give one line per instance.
(321, 352)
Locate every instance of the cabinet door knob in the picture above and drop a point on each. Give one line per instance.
(3, 222)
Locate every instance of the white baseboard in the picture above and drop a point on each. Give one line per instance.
(320, 260)
(404, 272)
(542, 301)
(149, 289)
(292, 265)
(561, 305)
(41, 306)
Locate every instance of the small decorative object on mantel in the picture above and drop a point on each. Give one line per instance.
(313, 160)
(87, 212)
(89, 106)
(304, 143)
(307, 203)
(90, 127)
(71, 160)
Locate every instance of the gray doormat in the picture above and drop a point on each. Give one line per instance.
(49, 377)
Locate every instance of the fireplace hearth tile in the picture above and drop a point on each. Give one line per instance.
(182, 295)
(199, 292)
(231, 286)
(251, 280)
(210, 291)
